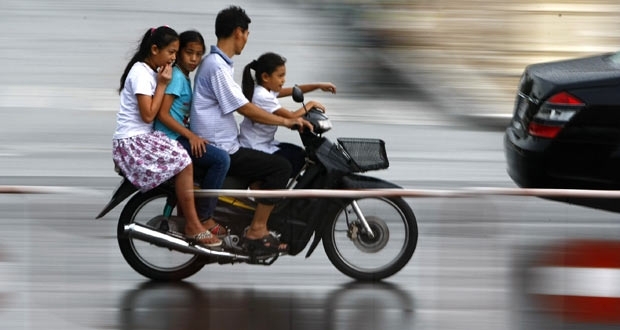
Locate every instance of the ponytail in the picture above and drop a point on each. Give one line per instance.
(266, 63)
(247, 82)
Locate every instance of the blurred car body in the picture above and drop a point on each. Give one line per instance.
(565, 129)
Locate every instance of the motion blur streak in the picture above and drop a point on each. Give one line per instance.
(476, 49)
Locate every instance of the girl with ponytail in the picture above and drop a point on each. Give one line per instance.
(264, 90)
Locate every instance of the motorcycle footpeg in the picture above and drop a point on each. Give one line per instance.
(232, 243)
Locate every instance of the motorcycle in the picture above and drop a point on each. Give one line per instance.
(368, 239)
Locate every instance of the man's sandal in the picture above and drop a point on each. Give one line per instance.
(198, 239)
(267, 243)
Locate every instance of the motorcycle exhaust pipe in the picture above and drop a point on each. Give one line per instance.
(149, 235)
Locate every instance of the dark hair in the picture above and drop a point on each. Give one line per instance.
(229, 19)
(266, 63)
(190, 36)
(160, 37)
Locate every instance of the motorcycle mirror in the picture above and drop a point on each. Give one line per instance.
(298, 95)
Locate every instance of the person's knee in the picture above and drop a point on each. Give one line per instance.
(222, 158)
(187, 171)
(282, 167)
(225, 162)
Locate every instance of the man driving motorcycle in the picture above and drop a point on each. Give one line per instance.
(216, 97)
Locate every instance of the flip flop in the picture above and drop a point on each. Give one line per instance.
(219, 231)
(197, 239)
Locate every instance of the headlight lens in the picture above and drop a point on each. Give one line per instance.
(324, 125)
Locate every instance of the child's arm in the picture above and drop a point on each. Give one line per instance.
(282, 112)
(254, 113)
(287, 91)
(198, 144)
(324, 86)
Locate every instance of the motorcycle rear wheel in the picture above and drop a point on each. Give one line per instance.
(352, 251)
(156, 263)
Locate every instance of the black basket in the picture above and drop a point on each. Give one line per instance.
(366, 154)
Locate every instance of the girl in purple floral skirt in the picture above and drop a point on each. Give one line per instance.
(146, 157)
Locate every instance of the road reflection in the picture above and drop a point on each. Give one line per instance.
(183, 305)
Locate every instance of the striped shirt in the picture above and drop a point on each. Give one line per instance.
(216, 97)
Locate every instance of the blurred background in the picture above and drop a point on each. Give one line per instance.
(468, 55)
(434, 79)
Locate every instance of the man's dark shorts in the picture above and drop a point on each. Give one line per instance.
(271, 171)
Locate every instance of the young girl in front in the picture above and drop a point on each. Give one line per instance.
(172, 119)
(147, 157)
(264, 91)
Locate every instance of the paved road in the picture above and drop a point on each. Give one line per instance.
(61, 269)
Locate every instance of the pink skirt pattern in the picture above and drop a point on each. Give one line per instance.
(149, 160)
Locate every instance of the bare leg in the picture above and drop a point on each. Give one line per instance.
(184, 184)
(258, 227)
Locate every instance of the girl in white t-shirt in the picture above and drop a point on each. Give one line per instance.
(148, 158)
(264, 90)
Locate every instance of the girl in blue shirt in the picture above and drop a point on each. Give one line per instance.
(173, 119)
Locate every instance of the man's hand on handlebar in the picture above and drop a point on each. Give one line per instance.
(299, 124)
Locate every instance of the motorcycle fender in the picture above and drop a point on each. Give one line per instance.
(124, 190)
(355, 181)
(352, 181)
(315, 243)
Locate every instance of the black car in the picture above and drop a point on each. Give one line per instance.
(565, 131)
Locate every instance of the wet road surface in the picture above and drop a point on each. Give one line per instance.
(61, 269)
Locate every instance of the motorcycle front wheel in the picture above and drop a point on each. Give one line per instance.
(156, 263)
(361, 256)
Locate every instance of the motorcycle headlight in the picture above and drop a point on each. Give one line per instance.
(319, 120)
(324, 125)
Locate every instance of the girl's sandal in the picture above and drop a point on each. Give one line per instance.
(205, 235)
(218, 230)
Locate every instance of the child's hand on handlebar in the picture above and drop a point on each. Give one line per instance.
(315, 104)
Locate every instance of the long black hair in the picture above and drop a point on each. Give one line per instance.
(160, 37)
(190, 36)
(266, 63)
